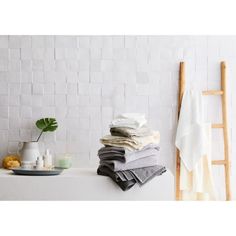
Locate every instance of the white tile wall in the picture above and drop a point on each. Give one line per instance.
(84, 81)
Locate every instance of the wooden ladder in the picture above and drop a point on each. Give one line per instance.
(224, 126)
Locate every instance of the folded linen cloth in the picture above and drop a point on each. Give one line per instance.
(128, 178)
(124, 155)
(129, 120)
(143, 162)
(128, 132)
(134, 143)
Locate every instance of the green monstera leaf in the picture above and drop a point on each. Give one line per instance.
(46, 125)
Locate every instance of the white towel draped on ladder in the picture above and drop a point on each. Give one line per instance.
(193, 139)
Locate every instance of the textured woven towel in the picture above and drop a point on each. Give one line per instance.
(128, 178)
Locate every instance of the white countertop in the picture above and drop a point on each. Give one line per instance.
(80, 184)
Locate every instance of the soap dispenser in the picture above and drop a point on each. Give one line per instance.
(47, 159)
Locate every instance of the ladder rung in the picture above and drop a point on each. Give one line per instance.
(213, 92)
(217, 126)
(218, 162)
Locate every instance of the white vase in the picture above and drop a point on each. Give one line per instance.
(29, 151)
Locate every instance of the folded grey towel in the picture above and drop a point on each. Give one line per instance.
(112, 153)
(143, 175)
(139, 163)
(124, 155)
(129, 132)
(128, 178)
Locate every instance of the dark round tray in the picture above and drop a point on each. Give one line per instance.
(20, 171)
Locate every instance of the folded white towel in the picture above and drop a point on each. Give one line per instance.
(129, 120)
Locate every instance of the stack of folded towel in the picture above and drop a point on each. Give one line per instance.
(130, 154)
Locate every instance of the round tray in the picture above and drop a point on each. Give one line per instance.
(20, 171)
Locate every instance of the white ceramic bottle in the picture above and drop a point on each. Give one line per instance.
(48, 162)
(39, 163)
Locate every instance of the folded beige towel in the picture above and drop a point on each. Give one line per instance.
(133, 143)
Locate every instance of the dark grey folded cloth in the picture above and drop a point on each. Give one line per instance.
(123, 184)
(128, 178)
(123, 155)
(109, 153)
(143, 175)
